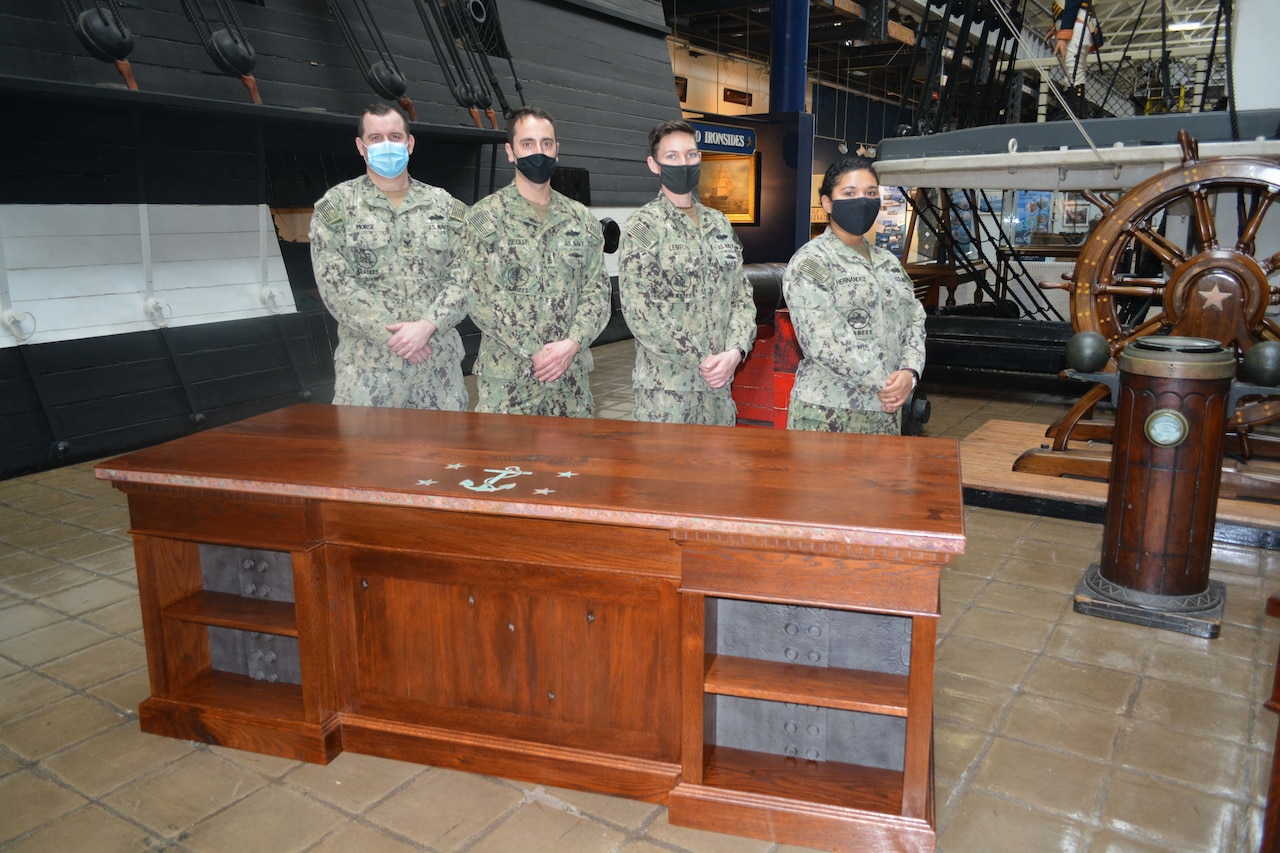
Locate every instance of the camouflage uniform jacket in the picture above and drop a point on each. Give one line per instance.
(533, 281)
(857, 322)
(376, 265)
(685, 297)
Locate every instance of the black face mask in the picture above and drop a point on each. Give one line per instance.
(537, 167)
(855, 215)
(681, 179)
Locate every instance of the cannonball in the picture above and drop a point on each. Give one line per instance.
(1088, 352)
(1262, 363)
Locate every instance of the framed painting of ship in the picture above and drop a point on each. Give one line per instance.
(731, 184)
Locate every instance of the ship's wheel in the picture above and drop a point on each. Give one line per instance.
(1186, 252)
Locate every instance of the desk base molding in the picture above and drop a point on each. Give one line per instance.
(796, 822)
(315, 743)
(546, 764)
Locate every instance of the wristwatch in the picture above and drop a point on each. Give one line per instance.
(744, 353)
(915, 376)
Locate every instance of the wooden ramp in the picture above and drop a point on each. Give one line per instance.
(986, 470)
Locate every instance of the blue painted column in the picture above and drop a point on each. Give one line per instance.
(790, 53)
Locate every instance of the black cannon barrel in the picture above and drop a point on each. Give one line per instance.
(766, 289)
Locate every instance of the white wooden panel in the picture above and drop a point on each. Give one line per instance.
(80, 251)
(204, 247)
(218, 318)
(79, 271)
(276, 271)
(44, 220)
(202, 219)
(212, 302)
(74, 282)
(177, 275)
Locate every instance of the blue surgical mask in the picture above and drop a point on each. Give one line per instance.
(388, 159)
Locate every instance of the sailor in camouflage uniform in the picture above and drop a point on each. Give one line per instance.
(860, 327)
(538, 288)
(384, 248)
(684, 294)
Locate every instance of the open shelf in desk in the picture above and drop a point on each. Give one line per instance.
(828, 687)
(224, 610)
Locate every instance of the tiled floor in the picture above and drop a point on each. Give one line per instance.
(1054, 731)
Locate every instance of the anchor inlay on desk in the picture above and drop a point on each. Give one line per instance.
(737, 623)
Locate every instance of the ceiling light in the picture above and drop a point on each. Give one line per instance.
(1178, 26)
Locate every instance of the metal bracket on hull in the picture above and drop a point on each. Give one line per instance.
(14, 321)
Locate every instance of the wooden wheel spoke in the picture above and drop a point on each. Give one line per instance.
(1250, 231)
(1101, 200)
(1155, 324)
(1127, 289)
(1169, 254)
(1271, 264)
(1206, 228)
(1270, 329)
(1139, 281)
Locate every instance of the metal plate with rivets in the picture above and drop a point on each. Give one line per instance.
(262, 657)
(247, 572)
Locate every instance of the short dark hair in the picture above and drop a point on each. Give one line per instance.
(381, 109)
(664, 130)
(527, 112)
(842, 167)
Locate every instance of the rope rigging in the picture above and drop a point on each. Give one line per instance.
(229, 47)
(496, 44)
(932, 216)
(1053, 88)
(457, 78)
(1231, 86)
(951, 96)
(103, 33)
(383, 74)
(467, 30)
(457, 25)
(1124, 54)
(946, 93)
(1213, 48)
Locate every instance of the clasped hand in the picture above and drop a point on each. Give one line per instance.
(409, 340)
(895, 392)
(550, 362)
(717, 370)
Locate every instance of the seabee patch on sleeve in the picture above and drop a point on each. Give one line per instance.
(814, 269)
(457, 211)
(483, 223)
(329, 213)
(644, 234)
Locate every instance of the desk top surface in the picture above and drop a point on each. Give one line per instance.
(885, 491)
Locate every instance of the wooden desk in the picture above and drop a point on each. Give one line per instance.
(547, 599)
